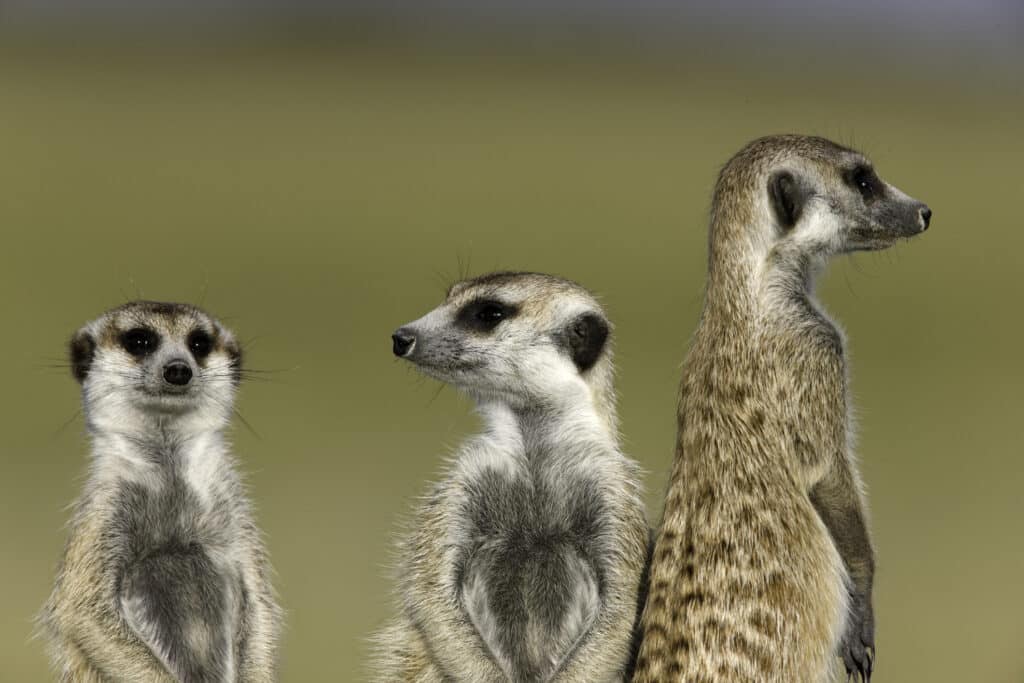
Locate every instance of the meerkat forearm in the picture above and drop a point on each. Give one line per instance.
(89, 651)
(591, 660)
(401, 654)
(840, 505)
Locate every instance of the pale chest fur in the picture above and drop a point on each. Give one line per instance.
(160, 494)
(523, 490)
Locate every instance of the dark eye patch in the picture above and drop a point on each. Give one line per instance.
(200, 343)
(140, 341)
(483, 315)
(863, 179)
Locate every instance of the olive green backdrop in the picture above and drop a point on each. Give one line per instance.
(318, 197)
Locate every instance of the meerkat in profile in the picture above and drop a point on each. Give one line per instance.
(164, 575)
(763, 567)
(525, 561)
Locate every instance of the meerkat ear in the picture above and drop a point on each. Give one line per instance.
(585, 338)
(81, 351)
(234, 351)
(787, 198)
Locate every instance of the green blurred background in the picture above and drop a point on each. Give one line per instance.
(317, 188)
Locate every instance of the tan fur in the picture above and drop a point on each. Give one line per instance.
(89, 638)
(763, 546)
(404, 653)
(79, 619)
(80, 615)
(433, 639)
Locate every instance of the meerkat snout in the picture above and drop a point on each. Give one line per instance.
(402, 342)
(177, 373)
(919, 218)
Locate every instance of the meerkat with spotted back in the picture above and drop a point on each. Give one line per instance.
(524, 563)
(763, 566)
(164, 576)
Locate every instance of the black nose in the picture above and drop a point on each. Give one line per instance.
(177, 373)
(926, 216)
(402, 342)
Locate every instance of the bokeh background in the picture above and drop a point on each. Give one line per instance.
(317, 174)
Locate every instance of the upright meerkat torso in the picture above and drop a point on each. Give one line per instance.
(164, 575)
(525, 561)
(762, 569)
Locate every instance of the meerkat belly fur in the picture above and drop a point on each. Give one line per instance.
(525, 561)
(763, 567)
(164, 575)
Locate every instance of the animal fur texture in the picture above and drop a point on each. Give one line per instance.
(164, 576)
(763, 567)
(525, 562)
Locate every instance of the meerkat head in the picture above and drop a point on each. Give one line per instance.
(794, 196)
(147, 359)
(526, 339)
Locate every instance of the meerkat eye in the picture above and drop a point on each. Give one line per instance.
(490, 314)
(200, 344)
(139, 341)
(864, 180)
(484, 315)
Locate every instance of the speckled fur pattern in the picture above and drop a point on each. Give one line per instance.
(763, 567)
(164, 575)
(525, 562)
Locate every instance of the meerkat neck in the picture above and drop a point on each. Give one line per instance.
(734, 265)
(748, 281)
(602, 399)
(526, 426)
(143, 454)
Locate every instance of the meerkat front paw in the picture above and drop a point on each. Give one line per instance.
(857, 647)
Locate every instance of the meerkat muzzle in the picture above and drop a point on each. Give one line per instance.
(926, 217)
(402, 343)
(177, 373)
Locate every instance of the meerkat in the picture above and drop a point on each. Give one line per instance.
(763, 566)
(164, 576)
(525, 561)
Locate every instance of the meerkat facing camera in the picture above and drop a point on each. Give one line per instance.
(525, 561)
(763, 566)
(164, 576)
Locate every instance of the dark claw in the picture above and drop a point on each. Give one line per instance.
(859, 662)
(857, 648)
